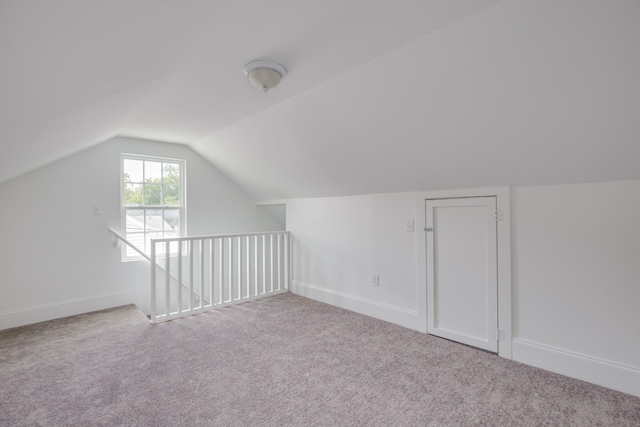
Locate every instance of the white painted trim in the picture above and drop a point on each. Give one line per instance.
(504, 255)
(387, 312)
(272, 202)
(56, 310)
(602, 372)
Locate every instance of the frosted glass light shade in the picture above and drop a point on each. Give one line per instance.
(264, 75)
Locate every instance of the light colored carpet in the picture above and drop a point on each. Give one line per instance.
(282, 361)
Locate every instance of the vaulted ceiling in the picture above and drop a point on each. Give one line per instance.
(380, 96)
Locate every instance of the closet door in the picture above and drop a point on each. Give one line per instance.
(462, 284)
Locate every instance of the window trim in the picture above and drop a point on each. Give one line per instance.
(181, 207)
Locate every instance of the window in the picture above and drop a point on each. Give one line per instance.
(152, 200)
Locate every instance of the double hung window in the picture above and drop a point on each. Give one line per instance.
(153, 201)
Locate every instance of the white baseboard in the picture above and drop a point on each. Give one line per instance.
(605, 373)
(390, 313)
(56, 310)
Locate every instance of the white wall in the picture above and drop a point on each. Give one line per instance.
(576, 276)
(56, 257)
(271, 217)
(575, 259)
(339, 243)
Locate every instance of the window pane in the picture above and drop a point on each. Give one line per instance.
(133, 170)
(153, 172)
(172, 222)
(152, 195)
(173, 247)
(132, 194)
(171, 182)
(138, 241)
(160, 247)
(154, 222)
(171, 194)
(171, 171)
(132, 252)
(135, 221)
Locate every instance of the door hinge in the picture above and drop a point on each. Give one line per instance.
(498, 216)
(497, 334)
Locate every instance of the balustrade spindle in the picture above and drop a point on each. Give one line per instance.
(236, 274)
(191, 292)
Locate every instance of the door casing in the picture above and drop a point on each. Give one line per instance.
(503, 203)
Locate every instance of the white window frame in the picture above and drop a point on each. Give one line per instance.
(181, 207)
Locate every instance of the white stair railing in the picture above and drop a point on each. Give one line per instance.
(216, 271)
(191, 275)
(117, 237)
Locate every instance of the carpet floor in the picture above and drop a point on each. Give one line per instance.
(281, 361)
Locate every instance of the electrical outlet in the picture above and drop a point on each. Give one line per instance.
(376, 280)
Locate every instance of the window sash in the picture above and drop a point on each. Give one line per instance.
(152, 220)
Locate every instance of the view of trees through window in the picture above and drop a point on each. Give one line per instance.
(152, 200)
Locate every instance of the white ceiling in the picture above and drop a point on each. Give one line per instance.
(380, 96)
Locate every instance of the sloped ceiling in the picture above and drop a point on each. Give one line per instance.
(381, 96)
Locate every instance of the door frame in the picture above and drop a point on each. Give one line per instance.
(503, 204)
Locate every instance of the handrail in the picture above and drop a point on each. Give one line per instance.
(145, 256)
(134, 247)
(216, 236)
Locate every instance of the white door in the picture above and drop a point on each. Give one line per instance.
(462, 281)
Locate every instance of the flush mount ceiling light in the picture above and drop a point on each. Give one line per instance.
(264, 75)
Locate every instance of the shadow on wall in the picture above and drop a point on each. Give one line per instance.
(271, 217)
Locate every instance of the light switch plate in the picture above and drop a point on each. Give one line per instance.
(411, 226)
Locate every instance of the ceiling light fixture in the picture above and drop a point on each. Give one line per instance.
(264, 75)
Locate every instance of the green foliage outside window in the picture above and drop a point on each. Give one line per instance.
(154, 191)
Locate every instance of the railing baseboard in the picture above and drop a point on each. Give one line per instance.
(206, 309)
